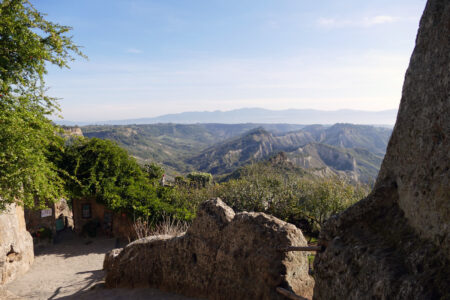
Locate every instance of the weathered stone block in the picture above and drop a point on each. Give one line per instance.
(16, 244)
(223, 255)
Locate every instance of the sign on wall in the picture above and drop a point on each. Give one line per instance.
(46, 213)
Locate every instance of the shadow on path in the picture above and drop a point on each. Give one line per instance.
(70, 244)
(100, 292)
(94, 277)
(73, 269)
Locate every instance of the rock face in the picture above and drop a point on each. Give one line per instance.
(395, 244)
(223, 255)
(16, 244)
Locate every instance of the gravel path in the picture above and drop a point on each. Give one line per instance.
(72, 269)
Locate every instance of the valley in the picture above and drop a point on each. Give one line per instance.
(351, 151)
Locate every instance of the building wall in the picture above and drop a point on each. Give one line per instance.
(35, 221)
(122, 226)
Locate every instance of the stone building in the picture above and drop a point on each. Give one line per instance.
(91, 217)
(56, 217)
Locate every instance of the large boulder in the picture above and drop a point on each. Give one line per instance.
(16, 244)
(395, 244)
(223, 255)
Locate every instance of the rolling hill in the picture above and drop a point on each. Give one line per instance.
(353, 151)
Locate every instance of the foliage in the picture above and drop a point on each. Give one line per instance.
(28, 43)
(223, 148)
(101, 169)
(200, 179)
(188, 198)
(295, 197)
(154, 172)
(299, 199)
(325, 197)
(26, 171)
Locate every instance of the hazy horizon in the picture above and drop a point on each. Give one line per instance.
(150, 58)
(247, 115)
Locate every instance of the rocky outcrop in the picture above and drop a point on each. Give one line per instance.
(395, 244)
(72, 131)
(16, 244)
(223, 255)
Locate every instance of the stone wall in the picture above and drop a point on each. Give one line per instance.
(223, 255)
(16, 244)
(395, 244)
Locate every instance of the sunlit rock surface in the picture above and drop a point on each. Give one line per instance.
(395, 244)
(16, 244)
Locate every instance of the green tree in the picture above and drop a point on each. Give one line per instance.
(154, 172)
(28, 43)
(200, 179)
(325, 197)
(283, 191)
(103, 170)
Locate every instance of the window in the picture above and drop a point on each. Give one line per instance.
(86, 211)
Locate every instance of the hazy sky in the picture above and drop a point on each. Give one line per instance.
(148, 58)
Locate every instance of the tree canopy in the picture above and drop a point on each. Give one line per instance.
(103, 170)
(28, 43)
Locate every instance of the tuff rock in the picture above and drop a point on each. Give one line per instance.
(16, 244)
(395, 243)
(223, 255)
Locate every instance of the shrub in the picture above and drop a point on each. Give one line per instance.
(168, 226)
(100, 168)
(199, 179)
(306, 201)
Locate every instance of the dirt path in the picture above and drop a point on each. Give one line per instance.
(72, 269)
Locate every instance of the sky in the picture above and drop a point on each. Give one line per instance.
(148, 58)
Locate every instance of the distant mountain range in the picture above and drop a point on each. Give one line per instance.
(347, 150)
(259, 115)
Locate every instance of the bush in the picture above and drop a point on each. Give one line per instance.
(305, 201)
(199, 179)
(101, 169)
(168, 226)
(154, 172)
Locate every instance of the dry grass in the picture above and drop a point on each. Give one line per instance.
(168, 226)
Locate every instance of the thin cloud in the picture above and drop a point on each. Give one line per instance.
(134, 51)
(377, 20)
(364, 22)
